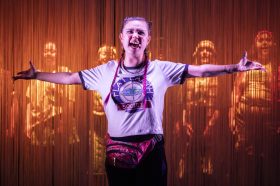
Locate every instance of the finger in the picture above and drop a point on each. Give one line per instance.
(244, 59)
(257, 63)
(17, 77)
(258, 66)
(14, 78)
(245, 54)
(262, 68)
(31, 65)
(22, 72)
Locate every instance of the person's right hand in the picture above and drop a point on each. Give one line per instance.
(31, 73)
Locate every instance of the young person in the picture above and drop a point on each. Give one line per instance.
(133, 90)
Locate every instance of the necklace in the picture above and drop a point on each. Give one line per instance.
(134, 70)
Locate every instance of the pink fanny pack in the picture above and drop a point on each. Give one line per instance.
(129, 154)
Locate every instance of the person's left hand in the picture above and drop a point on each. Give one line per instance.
(245, 64)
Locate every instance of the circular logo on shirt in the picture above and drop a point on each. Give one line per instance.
(128, 94)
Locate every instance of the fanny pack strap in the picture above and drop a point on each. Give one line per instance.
(158, 137)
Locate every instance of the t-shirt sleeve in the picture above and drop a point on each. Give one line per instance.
(175, 73)
(91, 78)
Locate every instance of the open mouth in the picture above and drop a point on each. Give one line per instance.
(135, 43)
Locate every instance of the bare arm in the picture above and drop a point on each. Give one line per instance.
(67, 78)
(58, 77)
(209, 70)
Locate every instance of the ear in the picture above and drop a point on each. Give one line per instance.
(121, 37)
(149, 39)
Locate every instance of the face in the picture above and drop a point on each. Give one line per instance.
(205, 55)
(135, 37)
(50, 53)
(205, 52)
(264, 43)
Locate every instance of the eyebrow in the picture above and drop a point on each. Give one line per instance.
(137, 29)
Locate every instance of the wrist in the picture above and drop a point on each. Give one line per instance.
(231, 68)
(35, 75)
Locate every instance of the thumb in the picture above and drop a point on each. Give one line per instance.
(244, 58)
(32, 66)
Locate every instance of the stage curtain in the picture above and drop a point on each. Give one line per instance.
(219, 131)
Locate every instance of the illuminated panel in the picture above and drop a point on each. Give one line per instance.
(202, 98)
(204, 52)
(98, 128)
(50, 107)
(264, 43)
(253, 96)
(105, 53)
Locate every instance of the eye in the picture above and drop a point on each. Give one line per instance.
(141, 33)
(129, 32)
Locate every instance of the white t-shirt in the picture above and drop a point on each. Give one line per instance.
(125, 111)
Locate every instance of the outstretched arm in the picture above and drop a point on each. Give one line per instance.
(58, 77)
(209, 70)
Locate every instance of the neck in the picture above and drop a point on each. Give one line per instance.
(133, 61)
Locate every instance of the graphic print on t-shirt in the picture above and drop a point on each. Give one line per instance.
(128, 94)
